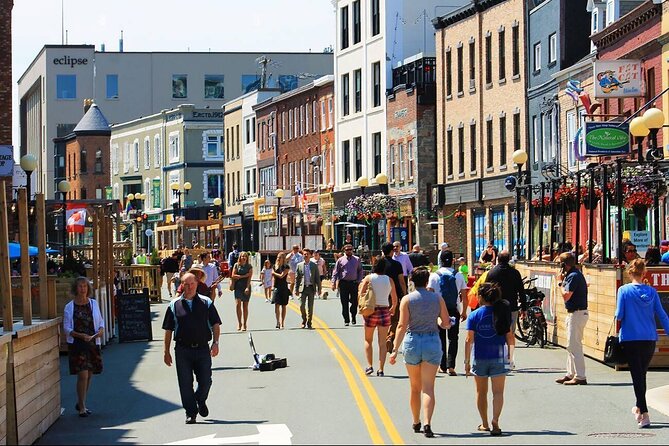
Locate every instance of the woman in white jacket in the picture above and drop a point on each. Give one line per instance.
(83, 326)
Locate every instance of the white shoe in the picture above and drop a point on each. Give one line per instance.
(645, 421)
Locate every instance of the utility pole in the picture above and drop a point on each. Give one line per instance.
(263, 61)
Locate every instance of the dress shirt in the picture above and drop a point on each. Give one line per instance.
(404, 259)
(348, 268)
(307, 274)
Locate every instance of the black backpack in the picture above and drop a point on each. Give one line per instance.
(501, 317)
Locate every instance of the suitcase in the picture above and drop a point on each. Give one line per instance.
(268, 362)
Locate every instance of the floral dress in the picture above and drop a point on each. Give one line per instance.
(84, 356)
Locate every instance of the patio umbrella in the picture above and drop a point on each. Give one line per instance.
(355, 225)
(342, 223)
(15, 250)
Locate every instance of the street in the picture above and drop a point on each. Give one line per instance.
(323, 395)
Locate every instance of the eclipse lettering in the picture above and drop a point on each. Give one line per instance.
(71, 61)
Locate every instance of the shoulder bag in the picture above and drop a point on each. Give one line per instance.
(613, 351)
(367, 302)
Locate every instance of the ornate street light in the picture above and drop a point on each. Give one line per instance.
(363, 182)
(64, 187)
(176, 190)
(639, 130)
(519, 158)
(382, 180)
(28, 164)
(279, 194)
(654, 120)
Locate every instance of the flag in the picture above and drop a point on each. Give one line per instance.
(76, 220)
(304, 201)
(128, 206)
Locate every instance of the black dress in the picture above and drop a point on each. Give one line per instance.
(82, 355)
(281, 293)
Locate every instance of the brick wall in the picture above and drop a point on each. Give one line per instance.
(6, 71)
(87, 178)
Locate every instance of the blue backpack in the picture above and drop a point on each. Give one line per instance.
(449, 289)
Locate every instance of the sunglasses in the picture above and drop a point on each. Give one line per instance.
(631, 250)
(348, 249)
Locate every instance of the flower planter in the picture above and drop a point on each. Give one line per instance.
(570, 204)
(640, 211)
(590, 205)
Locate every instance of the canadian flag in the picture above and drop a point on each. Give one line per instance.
(76, 220)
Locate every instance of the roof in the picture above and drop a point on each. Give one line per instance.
(93, 123)
(472, 8)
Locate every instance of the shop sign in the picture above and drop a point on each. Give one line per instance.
(270, 199)
(155, 185)
(658, 278)
(109, 193)
(6, 160)
(606, 138)
(617, 78)
(545, 284)
(154, 217)
(247, 209)
(641, 240)
(262, 211)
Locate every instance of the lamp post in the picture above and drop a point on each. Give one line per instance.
(279, 193)
(217, 208)
(639, 130)
(64, 187)
(363, 182)
(176, 190)
(28, 164)
(654, 120)
(382, 181)
(519, 157)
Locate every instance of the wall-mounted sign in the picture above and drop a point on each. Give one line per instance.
(71, 61)
(6, 161)
(617, 78)
(270, 199)
(606, 138)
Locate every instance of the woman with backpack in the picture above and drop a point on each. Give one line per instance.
(422, 312)
(385, 306)
(492, 352)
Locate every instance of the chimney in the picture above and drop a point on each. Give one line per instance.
(102, 47)
(87, 104)
(120, 43)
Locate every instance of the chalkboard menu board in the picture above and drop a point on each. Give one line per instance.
(134, 316)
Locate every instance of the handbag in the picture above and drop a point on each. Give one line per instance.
(367, 303)
(613, 351)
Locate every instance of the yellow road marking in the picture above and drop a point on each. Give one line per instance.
(350, 379)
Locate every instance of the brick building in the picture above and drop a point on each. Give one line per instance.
(411, 152)
(481, 119)
(6, 72)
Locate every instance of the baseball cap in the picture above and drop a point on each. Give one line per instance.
(444, 245)
(461, 259)
(664, 245)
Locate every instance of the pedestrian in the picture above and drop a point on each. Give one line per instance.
(266, 279)
(637, 310)
(307, 285)
(192, 320)
(511, 286)
(442, 248)
(574, 291)
(422, 312)
(322, 270)
(404, 260)
(281, 293)
(395, 271)
(176, 281)
(293, 258)
(346, 276)
(464, 268)
(492, 352)
(488, 255)
(385, 307)
(169, 266)
(233, 256)
(211, 270)
(201, 277)
(452, 287)
(664, 250)
(242, 273)
(417, 258)
(83, 326)
(653, 257)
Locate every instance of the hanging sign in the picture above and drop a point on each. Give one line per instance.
(617, 78)
(606, 138)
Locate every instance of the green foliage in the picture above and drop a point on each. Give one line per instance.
(127, 258)
(155, 258)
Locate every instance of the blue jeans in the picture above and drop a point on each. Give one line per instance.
(191, 361)
(489, 367)
(419, 347)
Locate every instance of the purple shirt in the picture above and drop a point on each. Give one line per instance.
(403, 258)
(347, 268)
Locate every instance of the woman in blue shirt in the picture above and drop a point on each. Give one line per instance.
(491, 356)
(638, 304)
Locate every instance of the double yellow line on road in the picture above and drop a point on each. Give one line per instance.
(341, 353)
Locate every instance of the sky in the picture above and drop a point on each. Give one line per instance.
(170, 25)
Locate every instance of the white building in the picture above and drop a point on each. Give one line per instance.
(135, 84)
(373, 36)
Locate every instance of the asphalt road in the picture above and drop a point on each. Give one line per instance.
(323, 395)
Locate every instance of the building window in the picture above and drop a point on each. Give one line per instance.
(83, 161)
(114, 159)
(479, 235)
(307, 118)
(571, 134)
(472, 143)
(112, 86)
(301, 120)
(147, 153)
(126, 157)
(214, 142)
(472, 65)
(490, 143)
(535, 140)
(537, 56)
(346, 152)
(66, 86)
(296, 122)
(449, 77)
(392, 163)
(552, 48)
(174, 147)
(449, 152)
(460, 70)
(345, 95)
(498, 232)
(157, 153)
(650, 84)
(179, 86)
(290, 124)
(314, 116)
(344, 27)
(461, 149)
(213, 86)
(330, 112)
(247, 127)
(502, 56)
(215, 185)
(402, 160)
(488, 59)
(356, 22)
(283, 126)
(515, 34)
(135, 158)
(357, 79)
(502, 140)
(323, 117)
(376, 18)
(595, 23)
(376, 140)
(516, 131)
(376, 83)
(410, 159)
(357, 143)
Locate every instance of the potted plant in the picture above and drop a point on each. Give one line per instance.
(566, 194)
(638, 198)
(585, 197)
(460, 215)
(539, 204)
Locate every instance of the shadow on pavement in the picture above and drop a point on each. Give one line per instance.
(210, 421)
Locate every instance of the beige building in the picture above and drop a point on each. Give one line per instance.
(481, 120)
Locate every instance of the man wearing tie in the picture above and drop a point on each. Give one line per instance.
(307, 284)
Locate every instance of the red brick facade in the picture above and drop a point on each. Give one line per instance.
(325, 101)
(6, 71)
(94, 175)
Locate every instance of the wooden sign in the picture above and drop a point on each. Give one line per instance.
(134, 316)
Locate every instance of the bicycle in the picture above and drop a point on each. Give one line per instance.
(533, 328)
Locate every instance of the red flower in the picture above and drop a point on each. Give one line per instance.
(585, 193)
(460, 214)
(638, 196)
(546, 202)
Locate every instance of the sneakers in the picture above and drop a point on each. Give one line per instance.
(369, 370)
(202, 409)
(645, 421)
(637, 414)
(379, 373)
(190, 419)
(345, 324)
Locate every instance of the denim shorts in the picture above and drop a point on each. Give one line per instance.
(489, 367)
(419, 347)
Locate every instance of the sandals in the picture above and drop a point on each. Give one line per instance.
(416, 427)
(379, 373)
(369, 370)
(87, 411)
(482, 428)
(427, 431)
(495, 431)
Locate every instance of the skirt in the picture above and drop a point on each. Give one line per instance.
(281, 296)
(84, 356)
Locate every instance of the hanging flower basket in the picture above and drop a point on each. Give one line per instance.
(570, 204)
(460, 216)
(640, 211)
(538, 204)
(590, 205)
(585, 197)
(638, 198)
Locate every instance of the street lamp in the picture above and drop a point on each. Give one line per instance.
(654, 120)
(28, 164)
(639, 130)
(279, 193)
(363, 182)
(217, 207)
(64, 187)
(519, 157)
(382, 181)
(177, 191)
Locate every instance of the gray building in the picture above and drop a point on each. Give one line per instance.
(133, 84)
(557, 38)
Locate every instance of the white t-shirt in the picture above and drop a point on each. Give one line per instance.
(433, 282)
(381, 286)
